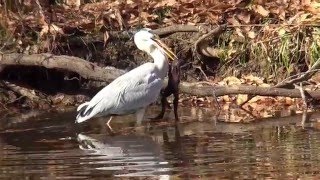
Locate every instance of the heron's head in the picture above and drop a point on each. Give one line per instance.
(148, 42)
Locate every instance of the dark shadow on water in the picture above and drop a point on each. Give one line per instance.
(50, 145)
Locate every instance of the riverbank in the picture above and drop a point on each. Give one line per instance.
(263, 56)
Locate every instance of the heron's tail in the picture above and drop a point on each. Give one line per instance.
(84, 112)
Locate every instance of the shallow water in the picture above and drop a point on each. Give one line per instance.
(50, 145)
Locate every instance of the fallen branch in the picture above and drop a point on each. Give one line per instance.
(84, 68)
(201, 45)
(303, 96)
(22, 91)
(93, 72)
(204, 89)
(176, 28)
(126, 35)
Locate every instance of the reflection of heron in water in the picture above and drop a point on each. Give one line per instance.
(130, 155)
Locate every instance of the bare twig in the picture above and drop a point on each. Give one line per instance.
(303, 96)
(304, 118)
(176, 28)
(15, 100)
(300, 77)
(276, 25)
(201, 41)
(4, 106)
(202, 72)
(248, 112)
(216, 100)
(83, 68)
(249, 98)
(70, 79)
(22, 91)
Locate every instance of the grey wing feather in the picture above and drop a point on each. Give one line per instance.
(131, 91)
(140, 95)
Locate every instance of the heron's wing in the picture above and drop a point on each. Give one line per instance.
(139, 94)
(131, 91)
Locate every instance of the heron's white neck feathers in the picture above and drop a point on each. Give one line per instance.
(161, 62)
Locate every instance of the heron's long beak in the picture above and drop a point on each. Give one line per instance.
(166, 49)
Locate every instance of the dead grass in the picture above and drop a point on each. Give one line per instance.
(275, 56)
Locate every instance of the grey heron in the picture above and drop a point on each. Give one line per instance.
(135, 90)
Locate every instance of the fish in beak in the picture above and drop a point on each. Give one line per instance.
(166, 49)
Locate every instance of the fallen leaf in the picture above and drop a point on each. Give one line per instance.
(281, 32)
(226, 98)
(251, 79)
(244, 16)
(261, 10)
(251, 34)
(232, 80)
(241, 98)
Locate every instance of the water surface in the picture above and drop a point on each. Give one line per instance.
(50, 145)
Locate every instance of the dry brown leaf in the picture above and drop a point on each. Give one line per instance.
(226, 98)
(274, 10)
(250, 79)
(281, 32)
(289, 101)
(251, 34)
(282, 14)
(311, 8)
(165, 3)
(304, 17)
(260, 99)
(261, 10)
(73, 3)
(235, 22)
(264, 85)
(241, 98)
(306, 2)
(54, 29)
(244, 16)
(232, 80)
(295, 17)
(239, 32)
(44, 31)
(144, 15)
(265, 114)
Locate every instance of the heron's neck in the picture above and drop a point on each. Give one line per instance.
(161, 62)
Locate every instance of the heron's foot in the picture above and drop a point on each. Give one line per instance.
(108, 125)
(109, 128)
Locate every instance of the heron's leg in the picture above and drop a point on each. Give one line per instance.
(108, 124)
(140, 115)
